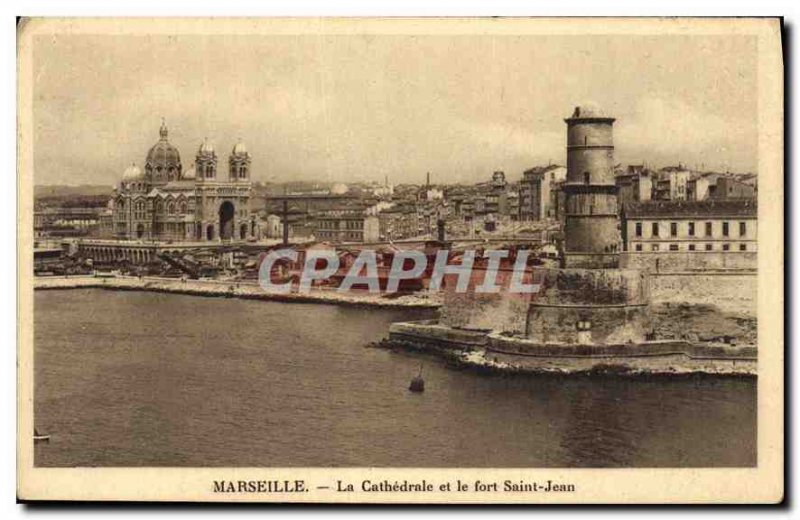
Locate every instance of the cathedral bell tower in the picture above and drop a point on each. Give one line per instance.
(206, 162)
(239, 164)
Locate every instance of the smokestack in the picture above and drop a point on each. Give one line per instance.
(428, 180)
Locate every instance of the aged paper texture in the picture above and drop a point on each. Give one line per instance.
(431, 260)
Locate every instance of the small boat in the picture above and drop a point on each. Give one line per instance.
(38, 437)
(417, 384)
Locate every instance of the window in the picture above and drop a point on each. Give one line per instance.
(638, 229)
(726, 247)
(673, 229)
(655, 229)
(638, 247)
(673, 247)
(709, 247)
(586, 177)
(742, 229)
(691, 229)
(654, 247)
(708, 229)
(742, 247)
(691, 247)
(724, 229)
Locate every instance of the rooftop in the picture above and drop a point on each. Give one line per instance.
(691, 208)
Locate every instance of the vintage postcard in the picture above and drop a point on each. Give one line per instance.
(401, 260)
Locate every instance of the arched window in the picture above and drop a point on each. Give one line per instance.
(171, 208)
(139, 210)
(586, 177)
(183, 208)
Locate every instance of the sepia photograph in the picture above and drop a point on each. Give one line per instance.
(400, 260)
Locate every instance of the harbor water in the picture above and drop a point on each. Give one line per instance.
(151, 379)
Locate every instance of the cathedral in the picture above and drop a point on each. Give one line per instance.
(167, 203)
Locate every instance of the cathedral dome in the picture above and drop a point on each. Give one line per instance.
(131, 172)
(163, 159)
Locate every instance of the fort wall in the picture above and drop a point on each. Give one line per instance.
(688, 261)
(729, 292)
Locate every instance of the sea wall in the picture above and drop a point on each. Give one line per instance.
(670, 365)
(502, 312)
(493, 352)
(233, 289)
(430, 334)
(524, 347)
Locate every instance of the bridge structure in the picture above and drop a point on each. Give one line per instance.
(141, 252)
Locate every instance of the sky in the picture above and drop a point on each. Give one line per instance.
(345, 108)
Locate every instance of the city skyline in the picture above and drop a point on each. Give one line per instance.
(361, 108)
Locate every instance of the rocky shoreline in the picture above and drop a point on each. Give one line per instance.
(232, 289)
(489, 353)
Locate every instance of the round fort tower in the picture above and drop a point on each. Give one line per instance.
(590, 301)
(591, 226)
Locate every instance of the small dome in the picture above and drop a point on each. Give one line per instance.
(587, 110)
(131, 172)
(239, 148)
(206, 147)
(191, 173)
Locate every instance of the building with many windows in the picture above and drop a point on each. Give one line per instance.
(673, 226)
(538, 192)
(166, 202)
(346, 225)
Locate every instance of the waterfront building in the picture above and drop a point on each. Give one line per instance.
(723, 226)
(167, 202)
